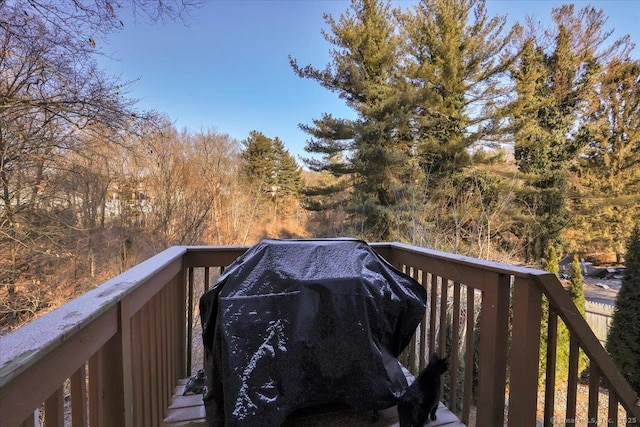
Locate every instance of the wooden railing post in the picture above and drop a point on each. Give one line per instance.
(525, 340)
(494, 332)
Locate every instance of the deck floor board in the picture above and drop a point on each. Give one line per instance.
(188, 411)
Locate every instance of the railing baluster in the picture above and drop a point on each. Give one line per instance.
(113, 392)
(166, 345)
(433, 281)
(207, 279)
(413, 345)
(442, 339)
(33, 420)
(424, 325)
(174, 349)
(612, 410)
(181, 330)
(54, 409)
(106, 388)
(444, 297)
(166, 383)
(79, 398)
(454, 349)
(405, 356)
(127, 360)
(572, 383)
(411, 355)
(145, 367)
(156, 342)
(550, 381)
(189, 320)
(469, 355)
(152, 356)
(95, 385)
(137, 359)
(594, 392)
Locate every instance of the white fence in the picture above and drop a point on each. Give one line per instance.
(599, 317)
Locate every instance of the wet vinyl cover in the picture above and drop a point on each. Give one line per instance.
(296, 323)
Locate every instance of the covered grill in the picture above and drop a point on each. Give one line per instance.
(297, 323)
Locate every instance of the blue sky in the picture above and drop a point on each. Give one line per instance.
(227, 68)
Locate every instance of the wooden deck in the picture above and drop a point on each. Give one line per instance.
(188, 411)
(116, 352)
(185, 410)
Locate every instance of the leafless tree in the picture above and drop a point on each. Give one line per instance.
(88, 19)
(57, 107)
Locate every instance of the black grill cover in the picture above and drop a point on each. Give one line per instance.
(295, 323)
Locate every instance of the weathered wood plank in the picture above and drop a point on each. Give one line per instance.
(188, 411)
(185, 411)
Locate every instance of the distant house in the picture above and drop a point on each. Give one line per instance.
(565, 266)
(134, 203)
(609, 273)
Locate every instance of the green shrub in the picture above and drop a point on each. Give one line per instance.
(623, 342)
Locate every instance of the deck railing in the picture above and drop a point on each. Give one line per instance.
(113, 356)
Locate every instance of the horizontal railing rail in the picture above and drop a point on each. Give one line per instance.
(117, 352)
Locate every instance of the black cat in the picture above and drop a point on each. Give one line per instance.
(422, 397)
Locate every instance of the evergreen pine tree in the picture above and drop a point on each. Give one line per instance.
(576, 285)
(554, 88)
(269, 167)
(576, 291)
(608, 172)
(272, 173)
(458, 56)
(259, 161)
(288, 183)
(369, 150)
(424, 85)
(288, 175)
(550, 260)
(623, 342)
